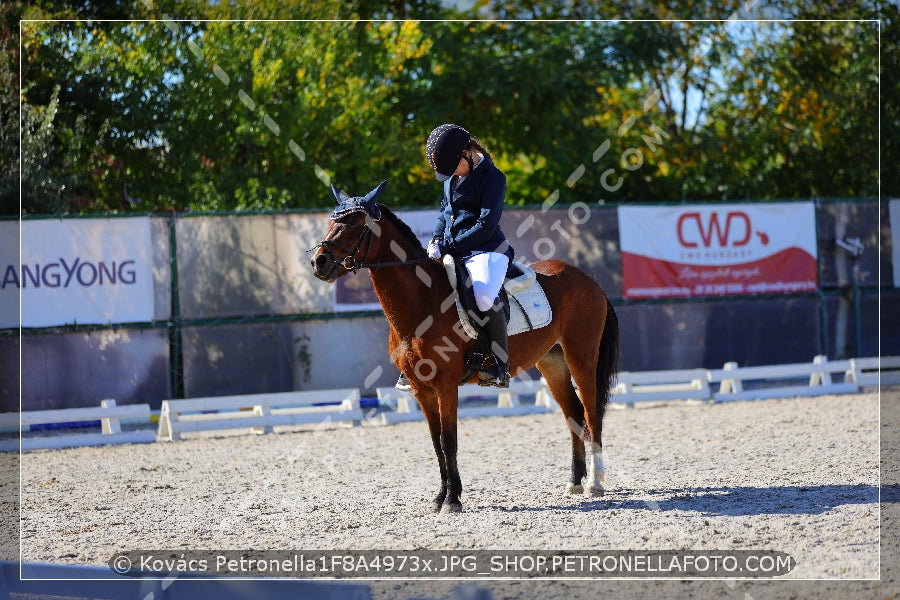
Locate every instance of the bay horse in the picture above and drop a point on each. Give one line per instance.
(427, 345)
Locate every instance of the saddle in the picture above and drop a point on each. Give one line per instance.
(525, 302)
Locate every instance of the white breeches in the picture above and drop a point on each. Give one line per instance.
(488, 270)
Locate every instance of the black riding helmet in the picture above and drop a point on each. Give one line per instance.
(445, 147)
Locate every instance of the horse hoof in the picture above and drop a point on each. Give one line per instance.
(452, 507)
(596, 490)
(573, 489)
(436, 506)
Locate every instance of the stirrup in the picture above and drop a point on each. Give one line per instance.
(474, 360)
(497, 375)
(403, 384)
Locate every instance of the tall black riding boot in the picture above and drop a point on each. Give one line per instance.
(495, 329)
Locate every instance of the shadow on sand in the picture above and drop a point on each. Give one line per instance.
(736, 501)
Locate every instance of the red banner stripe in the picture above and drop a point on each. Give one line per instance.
(787, 271)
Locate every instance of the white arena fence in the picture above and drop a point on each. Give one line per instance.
(262, 412)
(405, 407)
(107, 413)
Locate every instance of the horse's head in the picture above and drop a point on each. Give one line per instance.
(351, 240)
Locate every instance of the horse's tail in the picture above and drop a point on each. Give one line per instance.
(608, 360)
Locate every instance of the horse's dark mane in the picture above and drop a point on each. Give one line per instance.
(404, 230)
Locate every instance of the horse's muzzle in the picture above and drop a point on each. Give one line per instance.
(324, 267)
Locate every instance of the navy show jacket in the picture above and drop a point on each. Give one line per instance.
(469, 221)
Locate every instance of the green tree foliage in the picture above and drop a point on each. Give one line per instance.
(261, 105)
(9, 105)
(803, 105)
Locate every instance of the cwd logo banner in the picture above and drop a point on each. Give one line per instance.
(717, 250)
(77, 271)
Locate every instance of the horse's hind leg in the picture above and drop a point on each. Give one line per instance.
(596, 472)
(583, 366)
(559, 379)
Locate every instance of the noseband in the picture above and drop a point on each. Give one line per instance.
(351, 262)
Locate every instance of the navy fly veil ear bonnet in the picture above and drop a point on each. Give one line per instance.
(367, 204)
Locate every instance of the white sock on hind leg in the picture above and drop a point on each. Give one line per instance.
(596, 470)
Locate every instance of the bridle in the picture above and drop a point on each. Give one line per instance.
(350, 260)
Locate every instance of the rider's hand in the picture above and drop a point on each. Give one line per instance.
(433, 251)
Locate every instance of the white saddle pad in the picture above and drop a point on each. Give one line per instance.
(529, 308)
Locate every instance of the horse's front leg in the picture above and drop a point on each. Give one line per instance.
(453, 483)
(428, 402)
(448, 401)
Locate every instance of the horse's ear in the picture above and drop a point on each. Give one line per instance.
(340, 196)
(372, 196)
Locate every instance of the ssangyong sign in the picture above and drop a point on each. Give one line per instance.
(717, 250)
(76, 271)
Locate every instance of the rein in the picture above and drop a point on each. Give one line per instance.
(351, 263)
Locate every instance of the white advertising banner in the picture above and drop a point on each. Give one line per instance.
(894, 210)
(9, 255)
(718, 250)
(79, 271)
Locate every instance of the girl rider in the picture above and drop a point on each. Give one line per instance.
(468, 229)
